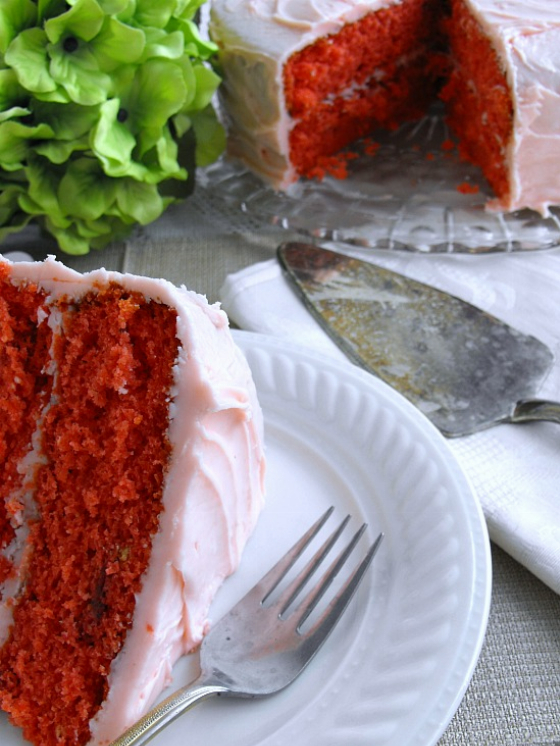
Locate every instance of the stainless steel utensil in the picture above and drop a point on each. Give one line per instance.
(464, 369)
(262, 645)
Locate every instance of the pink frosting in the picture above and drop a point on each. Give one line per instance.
(213, 492)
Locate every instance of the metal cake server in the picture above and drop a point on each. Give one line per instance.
(464, 369)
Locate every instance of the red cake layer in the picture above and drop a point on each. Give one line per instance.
(386, 69)
(478, 101)
(376, 72)
(99, 500)
(24, 388)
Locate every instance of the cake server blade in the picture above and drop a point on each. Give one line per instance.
(464, 369)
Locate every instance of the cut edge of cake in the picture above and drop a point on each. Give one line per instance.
(258, 38)
(213, 490)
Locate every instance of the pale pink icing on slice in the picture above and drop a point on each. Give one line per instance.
(212, 497)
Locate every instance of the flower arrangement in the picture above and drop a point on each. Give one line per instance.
(105, 111)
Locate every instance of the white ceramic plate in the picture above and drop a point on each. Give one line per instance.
(413, 194)
(395, 669)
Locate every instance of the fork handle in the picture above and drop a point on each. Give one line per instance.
(167, 711)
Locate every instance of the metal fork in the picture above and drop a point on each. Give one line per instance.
(262, 645)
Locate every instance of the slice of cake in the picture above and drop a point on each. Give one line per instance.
(302, 80)
(131, 445)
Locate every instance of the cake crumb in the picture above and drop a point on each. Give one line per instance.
(466, 188)
(371, 147)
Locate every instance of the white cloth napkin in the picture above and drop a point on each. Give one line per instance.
(514, 469)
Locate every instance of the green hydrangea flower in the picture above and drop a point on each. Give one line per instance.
(105, 111)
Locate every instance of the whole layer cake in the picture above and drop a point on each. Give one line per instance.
(304, 78)
(132, 473)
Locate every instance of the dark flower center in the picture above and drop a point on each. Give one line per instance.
(70, 44)
(122, 115)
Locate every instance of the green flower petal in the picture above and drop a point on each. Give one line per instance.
(112, 142)
(68, 239)
(15, 141)
(142, 202)
(41, 195)
(118, 7)
(157, 94)
(11, 217)
(59, 96)
(122, 79)
(35, 210)
(187, 9)
(89, 229)
(189, 77)
(206, 84)
(27, 55)
(83, 235)
(161, 162)
(195, 44)
(59, 151)
(15, 16)
(84, 192)
(210, 137)
(67, 121)
(117, 44)
(182, 123)
(84, 21)
(16, 112)
(48, 8)
(17, 221)
(11, 92)
(167, 152)
(155, 14)
(79, 75)
(159, 43)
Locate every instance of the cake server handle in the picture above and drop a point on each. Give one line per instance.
(536, 410)
(167, 711)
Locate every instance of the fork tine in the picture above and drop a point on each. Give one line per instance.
(269, 582)
(293, 590)
(316, 594)
(336, 607)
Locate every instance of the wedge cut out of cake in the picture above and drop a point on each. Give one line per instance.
(304, 78)
(132, 475)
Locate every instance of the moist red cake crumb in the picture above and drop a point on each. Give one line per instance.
(102, 496)
(478, 102)
(24, 387)
(466, 188)
(344, 86)
(386, 69)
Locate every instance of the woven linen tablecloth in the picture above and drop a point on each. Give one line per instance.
(514, 696)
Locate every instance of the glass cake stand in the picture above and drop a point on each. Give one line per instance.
(410, 192)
